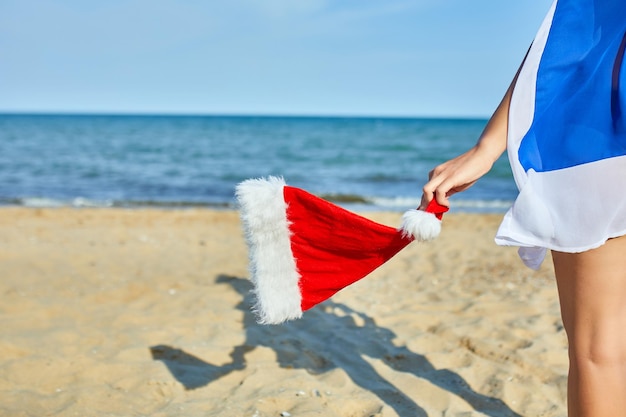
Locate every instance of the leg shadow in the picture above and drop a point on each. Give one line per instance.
(403, 360)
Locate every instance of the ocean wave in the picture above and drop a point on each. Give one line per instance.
(491, 205)
(44, 202)
(81, 202)
(456, 206)
(347, 200)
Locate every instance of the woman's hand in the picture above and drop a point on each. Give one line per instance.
(457, 174)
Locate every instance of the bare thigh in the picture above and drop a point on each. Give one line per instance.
(592, 291)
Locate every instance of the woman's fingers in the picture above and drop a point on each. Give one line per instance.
(430, 188)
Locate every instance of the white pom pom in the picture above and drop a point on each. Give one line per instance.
(420, 225)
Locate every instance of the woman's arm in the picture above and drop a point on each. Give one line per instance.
(462, 172)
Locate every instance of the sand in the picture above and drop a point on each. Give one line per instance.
(109, 312)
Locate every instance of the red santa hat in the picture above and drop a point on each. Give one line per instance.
(304, 249)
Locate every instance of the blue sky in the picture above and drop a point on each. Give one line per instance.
(312, 57)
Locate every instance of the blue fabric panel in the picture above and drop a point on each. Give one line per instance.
(580, 92)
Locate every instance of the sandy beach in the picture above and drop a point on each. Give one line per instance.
(111, 312)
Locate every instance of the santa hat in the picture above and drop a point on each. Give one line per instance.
(304, 249)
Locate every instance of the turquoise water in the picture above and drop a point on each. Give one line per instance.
(180, 161)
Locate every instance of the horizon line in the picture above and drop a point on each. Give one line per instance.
(233, 114)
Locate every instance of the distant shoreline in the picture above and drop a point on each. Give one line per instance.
(348, 202)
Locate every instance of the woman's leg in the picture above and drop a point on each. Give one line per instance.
(592, 292)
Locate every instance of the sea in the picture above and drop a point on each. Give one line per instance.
(177, 161)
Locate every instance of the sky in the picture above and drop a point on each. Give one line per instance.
(407, 58)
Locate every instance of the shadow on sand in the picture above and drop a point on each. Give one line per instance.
(324, 339)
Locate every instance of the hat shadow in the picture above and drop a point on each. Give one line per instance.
(328, 337)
